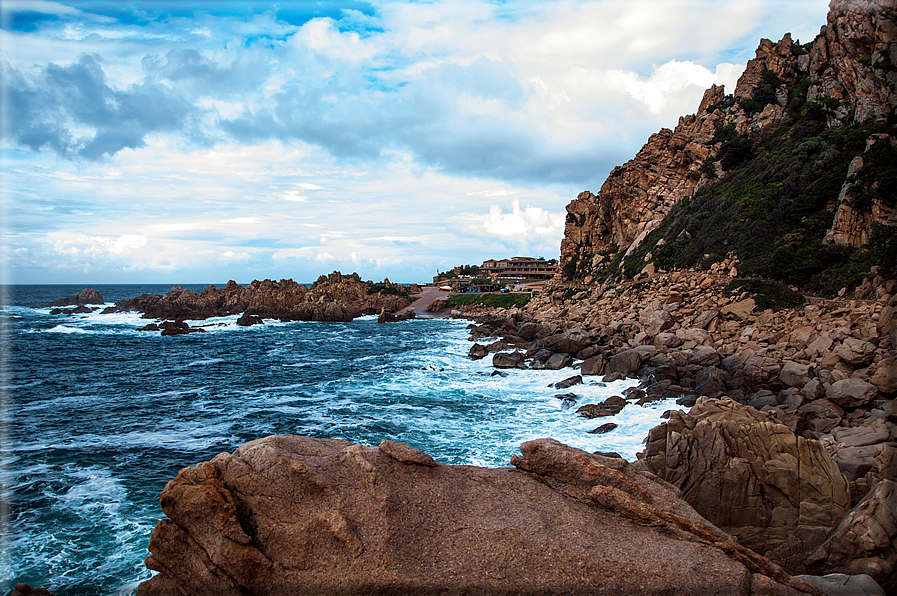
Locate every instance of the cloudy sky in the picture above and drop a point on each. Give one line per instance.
(144, 141)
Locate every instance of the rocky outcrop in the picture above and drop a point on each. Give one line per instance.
(82, 298)
(294, 515)
(334, 297)
(637, 196)
(849, 70)
(776, 492)
(864, 540)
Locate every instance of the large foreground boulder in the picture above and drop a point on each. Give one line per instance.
(288, 515)
(778, 493)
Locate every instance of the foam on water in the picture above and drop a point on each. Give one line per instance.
(104, 415)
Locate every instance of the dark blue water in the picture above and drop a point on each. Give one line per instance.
(97, 417)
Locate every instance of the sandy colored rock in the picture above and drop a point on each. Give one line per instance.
(295, 515)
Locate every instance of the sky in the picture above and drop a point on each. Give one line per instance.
(162, 141)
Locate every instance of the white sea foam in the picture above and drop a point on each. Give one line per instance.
(65, 329)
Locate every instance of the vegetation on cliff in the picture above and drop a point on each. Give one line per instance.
(793, 176)
(773, 209)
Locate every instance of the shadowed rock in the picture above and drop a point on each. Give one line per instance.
(778, 493)
(82, 298)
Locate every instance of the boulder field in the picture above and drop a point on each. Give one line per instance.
(295, 515)
(791, 438)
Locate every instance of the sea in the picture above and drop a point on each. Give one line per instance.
(96, 416)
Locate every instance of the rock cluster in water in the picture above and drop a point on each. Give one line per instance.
(296, 515)
(334, 297)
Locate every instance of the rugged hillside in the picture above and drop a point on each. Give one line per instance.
(803, 150)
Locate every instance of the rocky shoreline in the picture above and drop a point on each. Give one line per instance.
(793, 423)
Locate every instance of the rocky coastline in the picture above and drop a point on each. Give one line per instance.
(791, 439)
(777, 476)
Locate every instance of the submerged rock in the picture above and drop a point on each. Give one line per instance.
(288, 515)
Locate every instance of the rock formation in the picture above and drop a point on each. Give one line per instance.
(636, 196)
(864, 540)
(336, 297)
(294, 515)
(779, 494)
(824, 371)
(82, 298)
(850, 69)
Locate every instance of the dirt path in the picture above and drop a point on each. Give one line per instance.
(429, 294)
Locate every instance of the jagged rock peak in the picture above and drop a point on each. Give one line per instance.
(849, 71)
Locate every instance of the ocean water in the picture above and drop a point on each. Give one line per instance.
(96, 417)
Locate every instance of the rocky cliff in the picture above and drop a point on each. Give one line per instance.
(846, 76)
(295, 515)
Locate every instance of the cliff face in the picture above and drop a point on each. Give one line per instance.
(849, 71)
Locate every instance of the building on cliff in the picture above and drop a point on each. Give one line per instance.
(519, 268)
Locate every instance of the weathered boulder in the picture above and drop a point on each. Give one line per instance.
(856, 352)
(508, 360)
(610, 407)
(654, 321)
(625, 363)
(478, 352)
(704, 356)
(711, 382)
(841, 584)
(178, 328)
(568, 382)
(23, 589)
(559, 361)
(794, 374)
(864, 540)
(570, 342)
(289, 515)
(776, 492)
(603, 429)
(596, 365)
(885, 378)
(819, 416)
(247, 320)
(851, 393)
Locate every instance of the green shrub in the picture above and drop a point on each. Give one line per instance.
(490, 300)
(768, 294)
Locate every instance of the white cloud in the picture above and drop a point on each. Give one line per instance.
(523, 224)
(82, 244)
(230, 256)
(384, 139)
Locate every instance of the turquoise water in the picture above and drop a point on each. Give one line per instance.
(97, 417)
